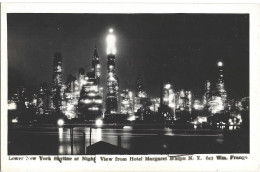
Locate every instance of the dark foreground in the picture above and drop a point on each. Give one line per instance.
(50, 140)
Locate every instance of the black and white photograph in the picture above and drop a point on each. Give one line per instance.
(128, 84)
(129, 87)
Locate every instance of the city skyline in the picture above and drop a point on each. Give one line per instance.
(149, 80)
(189, 73)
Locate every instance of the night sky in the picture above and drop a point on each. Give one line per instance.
(186, 47)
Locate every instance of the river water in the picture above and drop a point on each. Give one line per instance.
(58, 141)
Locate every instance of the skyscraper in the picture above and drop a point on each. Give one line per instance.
(220, 83)
(189, 102)
(90, 100)
(141, 94)
(168, 107)
(126, 102)
(22, 99)
(112, 79)
(206, 94)
(81, 78)
(95, 65)
(71, 97)
(57, 81)
(140, 90)
(40, 99)
(218, 98)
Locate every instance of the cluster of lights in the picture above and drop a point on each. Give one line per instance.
(113, 112)
(169, 96)
(201, 119)
(12, 106)
(131, 118)
(94, 108)
(91, 94)
(92, 88)
(15, 120)
(111, 78)
(216, 105)
(88, 101)
(142, 94)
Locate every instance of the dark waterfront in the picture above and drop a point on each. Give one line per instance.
(51, 140)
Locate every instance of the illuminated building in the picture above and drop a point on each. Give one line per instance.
(245, 103)
(63, 98)
(101, 93)
(168, 96)
(169, 101)
(207, 93)
(217, 101)
(142, 104)
(15, 98)
(140, 90)
(43, 100)
(23, 101)
(141, 94)
(155, 104)
(189, 102)
(57, 82)
(126, 102)
(183, 105)
(216, 104)
(71, 97)
(11, 105)
(33, 102)
(220, 83)
(81, 78)
(13, 102)
(90, 100)
(182, 101)
(137, 104)
(70, 87)
(112, 79)
(13, 108)
(197, 105)
(40, 100)
(95, 65)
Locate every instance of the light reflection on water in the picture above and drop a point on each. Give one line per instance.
(60, 134)
(168, 132)
(127, 136)
(97, 134)
(64, 141)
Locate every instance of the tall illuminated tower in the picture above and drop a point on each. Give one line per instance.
(169, 101)
(90, 100)
(112, 79)
(207, 93)
(57, 81)
(40, 99)
(220, 83)
(95, 65)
